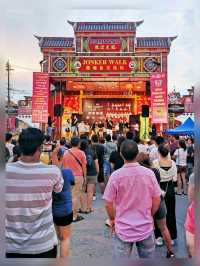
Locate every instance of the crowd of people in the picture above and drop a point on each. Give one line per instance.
(52, 184)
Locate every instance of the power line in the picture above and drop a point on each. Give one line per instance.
(25, 68)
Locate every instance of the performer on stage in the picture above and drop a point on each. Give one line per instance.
(68, 129)
(109, 124)
(74, 128)
(101, 129)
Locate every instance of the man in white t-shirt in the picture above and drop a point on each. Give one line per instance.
(154, 155)
(82, 128)
(152, 144)
(181, 161)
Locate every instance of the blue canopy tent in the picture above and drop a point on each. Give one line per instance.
(187, 128)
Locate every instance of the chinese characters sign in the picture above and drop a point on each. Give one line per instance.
(40, 97)
(159, 98)
(102, 64)
(104, 44)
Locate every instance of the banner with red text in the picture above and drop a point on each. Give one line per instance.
(40, 97)
(159, 105)
(103, 64)
(104, 44)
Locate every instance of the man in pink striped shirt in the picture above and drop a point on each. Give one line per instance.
(30, 231)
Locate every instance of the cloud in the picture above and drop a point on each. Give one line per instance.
(23, 19)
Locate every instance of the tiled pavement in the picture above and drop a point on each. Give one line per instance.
(91, 238)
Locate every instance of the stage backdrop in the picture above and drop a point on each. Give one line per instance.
(40, 97)
(159, 105)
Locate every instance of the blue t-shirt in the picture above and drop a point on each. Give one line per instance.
(62, 202)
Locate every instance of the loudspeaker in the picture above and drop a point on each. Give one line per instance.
(148, 88)
(58, 110)
(145, 111)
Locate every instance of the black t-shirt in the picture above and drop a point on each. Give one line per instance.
(126, 125)
(93, 126)
(121, 126)
(74, 122)
(91, 156)
(100, 151)
(109, 124)
(100, 125)
(116, 159)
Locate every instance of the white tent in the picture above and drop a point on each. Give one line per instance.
(182, 118)
(28, 122)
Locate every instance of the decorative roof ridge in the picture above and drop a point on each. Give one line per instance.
(138, 23)
(71, 23)
(173, 37)
(54, 37)
(170, 39)
(105, 22)
(157, 37)
(48, 41)
(37, 37)
(154, 41)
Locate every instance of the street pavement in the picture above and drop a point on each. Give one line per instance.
(92, 239)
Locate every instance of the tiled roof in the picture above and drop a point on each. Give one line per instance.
(45, 42)
(105, 26)
(160, 42)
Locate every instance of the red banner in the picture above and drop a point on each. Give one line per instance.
(40, 97)
(104, 44)
(11, 123)
(102, 64)
(159, 105)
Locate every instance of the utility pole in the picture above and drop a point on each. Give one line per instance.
(8, 69)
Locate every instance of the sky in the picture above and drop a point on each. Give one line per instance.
(22, 19)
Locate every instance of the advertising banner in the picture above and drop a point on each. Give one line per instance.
(103, 64)
(144, 128)
(159, 104)
(40, 97)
